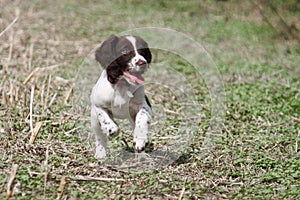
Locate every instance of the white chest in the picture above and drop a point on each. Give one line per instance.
(120, 99)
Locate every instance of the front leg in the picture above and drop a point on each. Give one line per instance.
(102, 126)
(140, 133)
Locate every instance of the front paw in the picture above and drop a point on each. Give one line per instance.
(100, 152)
(140, 145)
(110, 129)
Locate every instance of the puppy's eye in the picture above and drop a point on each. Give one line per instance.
(124, 51)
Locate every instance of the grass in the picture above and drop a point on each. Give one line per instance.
(255, 156)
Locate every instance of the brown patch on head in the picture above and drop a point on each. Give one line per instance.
(124, 51)
(106, 55)
(115, 53)
(106, 52)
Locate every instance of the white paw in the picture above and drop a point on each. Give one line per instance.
(110, 129)
(140, 144)
(100, 152)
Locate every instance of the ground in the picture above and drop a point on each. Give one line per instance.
(255, 48)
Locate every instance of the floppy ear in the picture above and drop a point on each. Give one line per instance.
(105, 54)
(148, 54)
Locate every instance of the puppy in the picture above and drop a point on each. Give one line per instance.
(119, 92)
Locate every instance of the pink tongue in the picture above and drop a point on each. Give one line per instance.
(136, 78)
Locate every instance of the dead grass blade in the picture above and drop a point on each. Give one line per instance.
(89, 178)
(31, 109)
(30, 76)
(10, 183)
(39, 69)
(61, 188)
(35, 132)
(12, 23)
(47, 92)
(181, 193)
(46, 170)
(68, 95)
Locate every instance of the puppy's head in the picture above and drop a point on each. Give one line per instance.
(124, 57)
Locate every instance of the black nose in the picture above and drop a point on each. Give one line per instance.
(140, 62)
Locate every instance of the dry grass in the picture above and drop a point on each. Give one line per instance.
(42, 156)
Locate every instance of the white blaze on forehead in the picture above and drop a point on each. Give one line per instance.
(132, 40)
(134, 77)
(137, 56)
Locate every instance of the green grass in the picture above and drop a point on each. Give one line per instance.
(256, 155)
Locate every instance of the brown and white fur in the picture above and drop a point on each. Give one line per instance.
(119, 92)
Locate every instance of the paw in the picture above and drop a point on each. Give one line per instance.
(100, 152)
(140, 145)
(110, 129)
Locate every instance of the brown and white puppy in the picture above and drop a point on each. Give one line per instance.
(119, 92)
